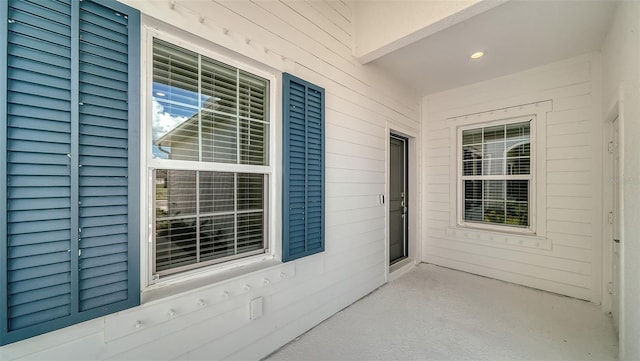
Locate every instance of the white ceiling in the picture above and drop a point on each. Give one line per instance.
(515, 36)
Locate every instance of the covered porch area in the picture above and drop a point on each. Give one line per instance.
(436, 313)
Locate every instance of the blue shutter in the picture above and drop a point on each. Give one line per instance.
(70, 216)
(103, 149)
(38, 139)
(303, 163)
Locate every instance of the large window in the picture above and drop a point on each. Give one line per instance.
(210, 160)
(496, 174)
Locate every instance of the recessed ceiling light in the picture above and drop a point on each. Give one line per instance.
(477, 55)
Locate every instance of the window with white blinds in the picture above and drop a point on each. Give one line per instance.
(496, 174)
(210, 161)
(205, 110)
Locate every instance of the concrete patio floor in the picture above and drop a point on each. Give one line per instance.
(435, 313)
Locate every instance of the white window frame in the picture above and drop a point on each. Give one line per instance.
(532, 177)
(154, 29)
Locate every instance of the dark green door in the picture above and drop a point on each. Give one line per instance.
(398, 206)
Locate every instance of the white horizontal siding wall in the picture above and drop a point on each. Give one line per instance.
(566, 257)
(620, 59)
(312, 40)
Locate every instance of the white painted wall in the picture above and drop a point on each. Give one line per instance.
(385, 26)
(311, 40)
(565, 257)
(621, 79)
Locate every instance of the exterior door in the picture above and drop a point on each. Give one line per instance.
(398, 199)
(615, 224)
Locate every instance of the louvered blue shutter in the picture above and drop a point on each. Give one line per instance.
(303, 164)
(69, 215)
(104, 156)
(38, 204)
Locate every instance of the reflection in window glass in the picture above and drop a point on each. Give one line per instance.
(228, 223)
(217, 192)
(217, 237)
(219, 86)
(205, 110)
(175, 243)
(219, 138)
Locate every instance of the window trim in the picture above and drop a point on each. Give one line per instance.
(155, 29)
(532, 177)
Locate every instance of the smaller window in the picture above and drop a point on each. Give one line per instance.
(496, 175)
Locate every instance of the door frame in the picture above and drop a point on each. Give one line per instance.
(413, 161)
(613, 114)
(405, 195)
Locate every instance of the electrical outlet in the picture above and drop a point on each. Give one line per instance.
(255, 308)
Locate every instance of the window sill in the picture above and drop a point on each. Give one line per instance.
(206, 277)
(497, 228)
(204, 296)
(499, 238)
